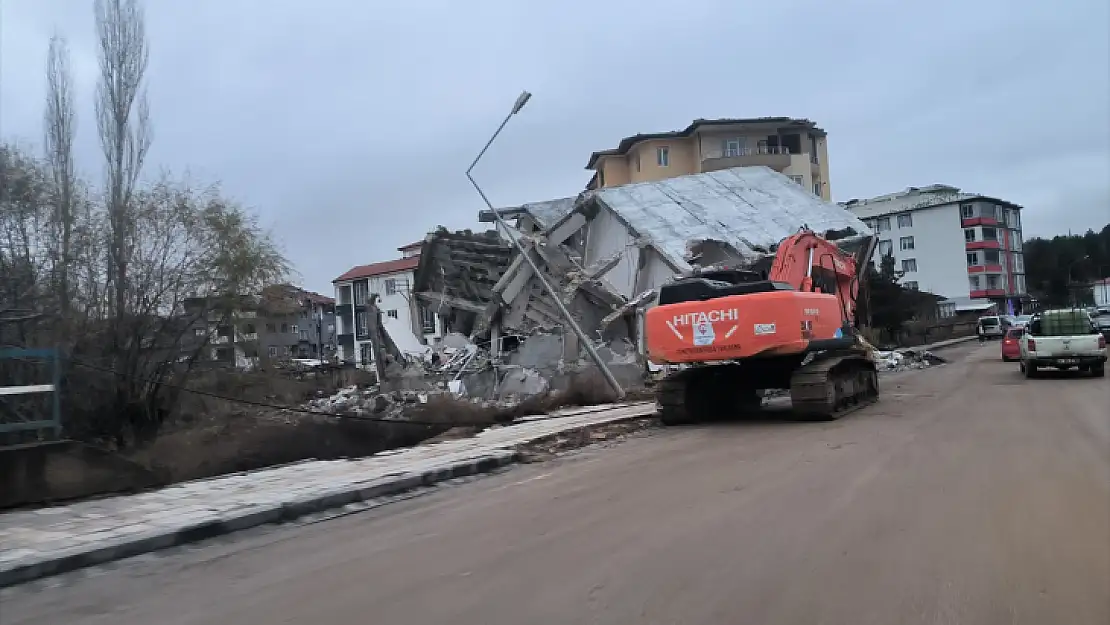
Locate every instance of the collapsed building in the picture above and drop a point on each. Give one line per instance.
(606, 252)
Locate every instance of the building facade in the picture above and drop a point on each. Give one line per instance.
(284, 323)
(962, 246)
(794, 147)
(410, 325)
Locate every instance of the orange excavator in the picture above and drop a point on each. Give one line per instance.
(728, 334)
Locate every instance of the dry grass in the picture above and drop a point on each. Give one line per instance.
(234, 438)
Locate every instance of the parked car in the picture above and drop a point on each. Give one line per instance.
(1102, 322)
(1011, 344)
(1020, 321)
(1063, 339)
(991, 326)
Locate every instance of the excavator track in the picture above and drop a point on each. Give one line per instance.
(834, 385)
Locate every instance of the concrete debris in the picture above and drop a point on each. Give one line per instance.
(522, 383)
(372, 402)
(905, 360)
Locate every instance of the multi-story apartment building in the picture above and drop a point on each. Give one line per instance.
(794, 147)
(962, 246)
(285, 322)
(410, 325)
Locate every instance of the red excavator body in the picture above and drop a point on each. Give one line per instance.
(735, 334)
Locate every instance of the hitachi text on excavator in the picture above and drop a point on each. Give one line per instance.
(729, 334)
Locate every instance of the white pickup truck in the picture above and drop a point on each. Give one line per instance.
(1063, 339)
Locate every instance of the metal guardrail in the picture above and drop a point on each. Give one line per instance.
(54, 420)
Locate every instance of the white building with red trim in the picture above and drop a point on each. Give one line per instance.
(963, 246)
(410, 325)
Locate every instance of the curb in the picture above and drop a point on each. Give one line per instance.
(155, 540)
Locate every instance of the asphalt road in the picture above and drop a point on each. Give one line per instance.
(967, 495)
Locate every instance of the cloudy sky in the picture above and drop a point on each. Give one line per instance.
(348, 124)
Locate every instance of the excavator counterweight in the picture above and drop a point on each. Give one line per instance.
(733, 334)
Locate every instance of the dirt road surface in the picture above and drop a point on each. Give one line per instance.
(967, 495)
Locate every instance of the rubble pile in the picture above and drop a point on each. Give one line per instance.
(905, 360)
(373, 402)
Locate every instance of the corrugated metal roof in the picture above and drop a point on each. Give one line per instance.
(549, 212)
(749, 208)
(915, 198)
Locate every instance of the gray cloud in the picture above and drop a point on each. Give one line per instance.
(348, 125)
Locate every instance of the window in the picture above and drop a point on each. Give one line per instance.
(284, 328)
(988, 211)
(1018, 263)
(362, 293)
(886, 248)
(990, 257)
(905, 221)
(909, 265)
(345, 295)
(992, 282)
(273, 351)
(200, 331)
(967, 211)
(990, 234)
(973, 282)
(271, 328)
(663, 156)
(882, 225)
(391, 286)
(427, 320)
(248, 329)
(817, 188)
(906, 243)
(392, 314)
(362, 323)
(798, 180)
(969, 234)
(972, 259)
(734, 147)
(293, 329)
(910, 285)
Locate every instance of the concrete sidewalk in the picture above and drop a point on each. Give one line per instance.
(39, 543)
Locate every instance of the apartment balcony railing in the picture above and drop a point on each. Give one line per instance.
(221, 340)
(249, 336)
(764, 150)
(777, 159)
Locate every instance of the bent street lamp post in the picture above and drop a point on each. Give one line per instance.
(582, 338)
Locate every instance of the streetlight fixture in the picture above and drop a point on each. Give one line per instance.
(1072, 286)
(521, 100)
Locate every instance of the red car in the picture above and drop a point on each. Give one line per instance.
(1011, 349)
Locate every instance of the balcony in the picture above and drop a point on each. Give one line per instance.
(968, 222)
(982, 293)
(248, 336)
(982, 245)
(777, 158)
(988, 268)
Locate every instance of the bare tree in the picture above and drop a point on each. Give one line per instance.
(123, 122)
(60, 126)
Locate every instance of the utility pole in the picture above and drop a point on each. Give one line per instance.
(556, 297)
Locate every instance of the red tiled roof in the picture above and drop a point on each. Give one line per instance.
(378, 269)
(319, 299)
